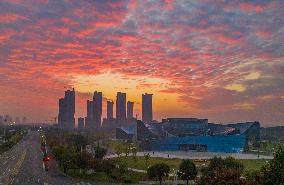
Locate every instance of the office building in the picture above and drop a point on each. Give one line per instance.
(147, 110)
(1, 120)
(97, 101)
(121, 108)
(130, 106)
(185, 126)
(66, 117)
(109, 109)
(191, 134)
(109, 122)
(81, 123)
(89, 120)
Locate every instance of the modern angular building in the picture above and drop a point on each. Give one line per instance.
(185, 126)
(190, 134)
(66, 117)
(147, 110)
(121, 108)
(97, 101)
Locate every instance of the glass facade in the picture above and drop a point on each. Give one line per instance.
(228, 144)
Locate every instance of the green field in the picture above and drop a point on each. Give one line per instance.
(114, 177)
(253, 165)
(140, 163)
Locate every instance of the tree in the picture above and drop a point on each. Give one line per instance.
(100, 152)
(126, 149)
(58, 153)
(147, 157)
(158, 171)
(224, 171)
(225, 176)
(107, 166)
(66, 161)
(187, 170)
(134, 153)
(217, 163)
(82, 160)
(273, 171)
(78, 141)
(118, 150)
(233, 163)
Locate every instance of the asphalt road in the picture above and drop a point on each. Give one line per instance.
(10, 162)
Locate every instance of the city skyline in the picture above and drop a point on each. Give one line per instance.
(220, 60)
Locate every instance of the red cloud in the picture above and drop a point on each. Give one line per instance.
(250, 7)
(10, 17)
(198, 55)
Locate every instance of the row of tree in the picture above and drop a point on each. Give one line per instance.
(69, 149)
(226, 171)
(11, 138)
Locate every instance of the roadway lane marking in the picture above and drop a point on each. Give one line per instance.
(15, 170)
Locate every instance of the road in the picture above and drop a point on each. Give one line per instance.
(196, 155)
(22, 165)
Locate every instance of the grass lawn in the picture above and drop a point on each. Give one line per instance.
(120, 145)
(114, 177)
(113, 144)
(140, 163)
(253, 165)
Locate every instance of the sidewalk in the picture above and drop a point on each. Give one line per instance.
(196, 155)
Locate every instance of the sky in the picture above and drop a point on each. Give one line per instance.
(222, 60)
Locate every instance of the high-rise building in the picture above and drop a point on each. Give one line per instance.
(1, 120)
(109, 109)
(109, 122)
(81, 123)
(121, 108)
(147, 110)
(66, 117)
(130, 106)
(89, 121)
(98, 102)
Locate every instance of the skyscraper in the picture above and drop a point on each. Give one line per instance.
(66, 117)
(109, 110)
(130, 106)
(98, 101)
(1, 120)
(89, 121)
(121, 108)
(81, 123)
(147, 111)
